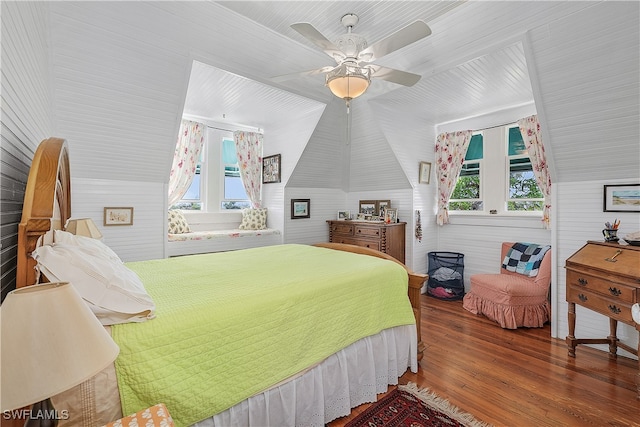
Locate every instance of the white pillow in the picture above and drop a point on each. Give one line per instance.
(254, 219)
(92, 246)
(113, 292)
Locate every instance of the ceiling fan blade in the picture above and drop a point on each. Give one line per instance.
(285, 77)
(314, 36)
(395, 76)
(401, 38)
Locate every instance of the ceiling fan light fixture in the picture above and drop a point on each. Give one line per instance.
(348, 81)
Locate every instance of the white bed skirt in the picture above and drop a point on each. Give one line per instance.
(351, 377)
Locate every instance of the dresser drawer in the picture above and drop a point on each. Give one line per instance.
(371, 244)
(613, 290)
(342, 228)
(615, 309)
(373, 232)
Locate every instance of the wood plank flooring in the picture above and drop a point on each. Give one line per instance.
(521, 377)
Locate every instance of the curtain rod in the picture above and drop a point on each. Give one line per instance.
(497, 126)
(258, 130)
(213, 127)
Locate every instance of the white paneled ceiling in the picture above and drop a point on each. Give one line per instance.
(456, 80)
(226, 98)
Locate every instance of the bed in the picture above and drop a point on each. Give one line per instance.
(327, 343)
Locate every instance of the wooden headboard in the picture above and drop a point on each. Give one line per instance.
(47, 203)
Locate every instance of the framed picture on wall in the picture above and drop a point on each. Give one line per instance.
(271, 169)
(118, 216)
(300, 208)
(622, 198)
(425, 172)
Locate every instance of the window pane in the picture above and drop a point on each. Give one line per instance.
(467, 187)
(234, 189)
(474, 151)
(193, 193)
(530, 205)
(522, 182)
(516, 144)
(235, 204)
(235, 196)
(229, 156)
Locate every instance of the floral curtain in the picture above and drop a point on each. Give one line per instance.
(185, 159)
(530, 129)
(450, 151)
(249, 152)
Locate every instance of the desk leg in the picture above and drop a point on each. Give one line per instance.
(571, 338)
(613, 338)
(638, 376)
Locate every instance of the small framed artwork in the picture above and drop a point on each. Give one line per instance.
(622, 198)
(425, 172)
(344, 215)
(271, 169)
(368, 207)
(391, 215)
(300, 208)
(118, 216)
(360, 216)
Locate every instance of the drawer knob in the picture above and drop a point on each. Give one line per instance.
(615, 292)
(582, 297)
(614, 309)
(582, 281)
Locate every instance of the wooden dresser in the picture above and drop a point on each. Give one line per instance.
(387, 238)
(605, 278)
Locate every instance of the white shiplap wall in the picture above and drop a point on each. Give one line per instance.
(585, 80)
(325, 160)
(26, 117)
(324, 205)
(580, 218)
(479, 238)
(373, 163)
(146, 238)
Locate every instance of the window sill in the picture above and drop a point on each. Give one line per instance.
(504, 220)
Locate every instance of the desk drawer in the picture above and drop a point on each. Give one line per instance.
(342, 228)
(373, 232)
(371, 244)
(610, 289)
(613, 308)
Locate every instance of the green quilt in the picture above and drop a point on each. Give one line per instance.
(231, 324)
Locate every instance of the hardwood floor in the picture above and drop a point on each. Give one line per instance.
(519, 377)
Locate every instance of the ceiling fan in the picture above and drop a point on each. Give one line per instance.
(352, 75)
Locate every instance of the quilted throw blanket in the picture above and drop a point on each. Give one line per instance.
(229, 325)
(525, 258)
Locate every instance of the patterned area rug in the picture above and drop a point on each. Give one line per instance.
(409, 406)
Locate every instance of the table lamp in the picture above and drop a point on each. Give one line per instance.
(83, 227)
(51, 342)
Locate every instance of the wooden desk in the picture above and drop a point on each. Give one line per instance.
(605, 278)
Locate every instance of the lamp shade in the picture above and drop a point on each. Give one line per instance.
(51, 341)
(348, 81)
(83, 227)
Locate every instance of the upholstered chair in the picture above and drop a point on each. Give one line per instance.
(510, 298)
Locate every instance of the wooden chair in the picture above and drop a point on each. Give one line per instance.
(512, 299)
